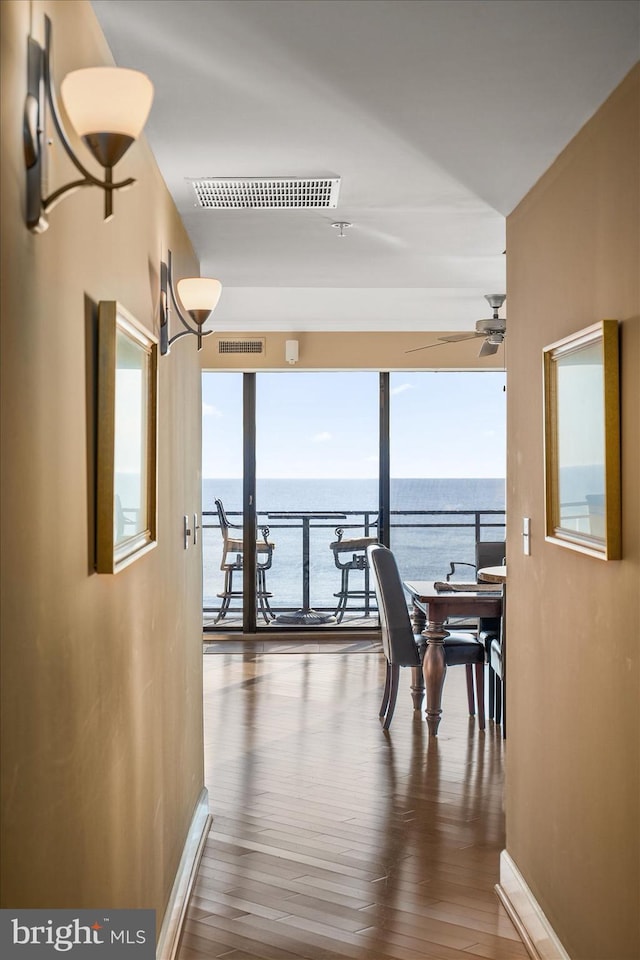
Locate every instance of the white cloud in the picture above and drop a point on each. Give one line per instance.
(322, 437)
(208, 410)
(401, 388)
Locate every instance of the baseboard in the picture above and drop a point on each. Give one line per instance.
(533, 927)
(176, 908)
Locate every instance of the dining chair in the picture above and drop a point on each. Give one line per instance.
(404, 649)
(488, 553)
(495, 643)
(233, 560)
(497, 666)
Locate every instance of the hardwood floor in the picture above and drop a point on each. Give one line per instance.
(332, 839)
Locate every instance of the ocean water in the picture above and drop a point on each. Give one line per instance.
(423, 550)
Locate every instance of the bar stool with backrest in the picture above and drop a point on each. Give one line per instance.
(232, 562)
(351, 555)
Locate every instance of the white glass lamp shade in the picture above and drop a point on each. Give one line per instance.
(107, 100)
(199, 296)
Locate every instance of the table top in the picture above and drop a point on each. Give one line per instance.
(450, 603)
(310, 514)
(427, 590)
(492, 574)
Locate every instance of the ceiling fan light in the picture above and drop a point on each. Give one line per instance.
(101, 100)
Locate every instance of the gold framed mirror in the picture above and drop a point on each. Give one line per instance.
(582, 441)
(127, 439)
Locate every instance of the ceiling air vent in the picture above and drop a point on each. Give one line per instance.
(274, 193)
(240, 346)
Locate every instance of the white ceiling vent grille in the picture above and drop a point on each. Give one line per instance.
(240, 346)
(274, 193)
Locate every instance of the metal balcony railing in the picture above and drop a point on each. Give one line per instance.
(424, 542)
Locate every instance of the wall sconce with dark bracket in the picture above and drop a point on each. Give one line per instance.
(198, 296)
(107, 106)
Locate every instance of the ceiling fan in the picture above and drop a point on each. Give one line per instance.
(493, 330)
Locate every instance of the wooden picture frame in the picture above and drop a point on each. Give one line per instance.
(127, 439)
(582, 441)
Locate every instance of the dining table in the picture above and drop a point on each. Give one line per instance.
(305, 615)
(433, 603)
(492, 574)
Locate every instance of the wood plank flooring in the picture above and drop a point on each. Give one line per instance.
(332, 839)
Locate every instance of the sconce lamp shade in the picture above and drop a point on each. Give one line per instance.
(107, 104)
(199, 297)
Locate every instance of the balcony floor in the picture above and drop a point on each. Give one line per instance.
(233, 622)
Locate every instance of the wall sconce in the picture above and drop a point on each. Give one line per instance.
(107, 106)
(291, 351)
(199, 297)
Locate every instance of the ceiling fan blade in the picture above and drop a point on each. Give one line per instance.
(425, 347)
(459, 337)
(487, 349)
(455, 339)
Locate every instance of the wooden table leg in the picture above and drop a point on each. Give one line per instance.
(434, 669)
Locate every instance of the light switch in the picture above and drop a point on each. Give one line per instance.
(526, 536)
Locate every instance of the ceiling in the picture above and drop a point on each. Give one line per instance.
(437, 115)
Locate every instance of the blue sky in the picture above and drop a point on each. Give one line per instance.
(325, 425)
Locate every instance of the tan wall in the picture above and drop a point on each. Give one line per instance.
(350, 351)
(101, 675)
(573, 809)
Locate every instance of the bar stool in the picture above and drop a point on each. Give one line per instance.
(232, 562)
(351, 555)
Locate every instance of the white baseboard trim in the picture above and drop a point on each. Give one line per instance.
(176, 908)
(533, 927)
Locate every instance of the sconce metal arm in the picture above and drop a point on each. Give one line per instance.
(168, 296)
(40, 86)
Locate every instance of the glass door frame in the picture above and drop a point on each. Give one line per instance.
(384, 461)
(249, 514)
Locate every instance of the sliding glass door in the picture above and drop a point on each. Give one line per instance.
(447, 454)
(310, 466)
(316, 485)
(297, 453)
(222, 481)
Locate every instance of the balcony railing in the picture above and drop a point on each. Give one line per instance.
(424, 542)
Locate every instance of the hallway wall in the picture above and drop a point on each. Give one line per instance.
(573, 762)
(101, 675)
